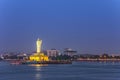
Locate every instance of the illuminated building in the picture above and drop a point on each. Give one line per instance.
(52, 53)
(38, 56)
(70, 52)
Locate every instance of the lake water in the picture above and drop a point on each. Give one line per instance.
(75, 71)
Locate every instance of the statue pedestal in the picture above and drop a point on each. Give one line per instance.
(39, 57)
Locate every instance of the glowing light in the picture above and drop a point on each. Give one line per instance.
(38, 56)
(38, 65)
(39, 43)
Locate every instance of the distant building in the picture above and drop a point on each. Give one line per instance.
(52, 53)
(1, 57)
(22, 56)
(69, 52)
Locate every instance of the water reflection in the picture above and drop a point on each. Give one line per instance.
(38, 70)
(38, 76)
(106, 62)
(38, 65)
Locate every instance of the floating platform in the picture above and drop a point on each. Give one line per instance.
(47, 62)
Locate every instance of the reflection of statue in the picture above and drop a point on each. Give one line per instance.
(39, 43)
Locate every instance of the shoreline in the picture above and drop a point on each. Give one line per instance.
(107, 60)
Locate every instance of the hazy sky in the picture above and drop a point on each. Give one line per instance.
(88, 26)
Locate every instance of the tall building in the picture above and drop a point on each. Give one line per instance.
(52, 53)
(38, 56)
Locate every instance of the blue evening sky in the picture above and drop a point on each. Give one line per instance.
(88, 26)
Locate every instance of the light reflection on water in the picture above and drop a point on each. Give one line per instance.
(38, 65)
(38, 69)
(75, 71)
(38, 76)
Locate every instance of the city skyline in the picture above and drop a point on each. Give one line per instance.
(88, 26)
